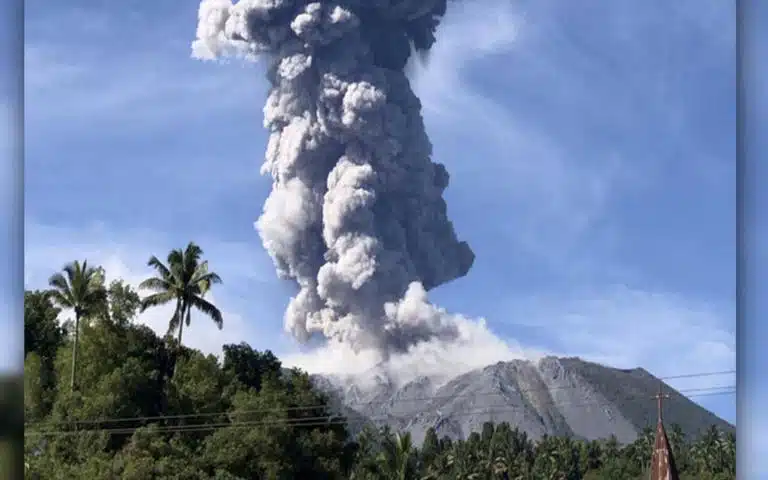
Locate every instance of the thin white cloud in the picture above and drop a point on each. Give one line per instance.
(629, 327)
(558, 197)
(131, 92)
(560, 178)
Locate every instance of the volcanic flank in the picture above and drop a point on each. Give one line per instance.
(356, 215)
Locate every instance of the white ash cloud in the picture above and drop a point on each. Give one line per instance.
(475, 346)
(356, 216)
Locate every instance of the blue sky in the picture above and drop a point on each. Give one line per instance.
(755, 332)
(591, 148)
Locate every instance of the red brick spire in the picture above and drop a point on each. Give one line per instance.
(662, 461)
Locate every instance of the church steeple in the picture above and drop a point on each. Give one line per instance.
(662, 461)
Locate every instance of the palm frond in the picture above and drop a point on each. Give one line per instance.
(191, 262)
(193, 253)
(203, 270)
(176, 264)
(175, 257)
(204, 279)
(58, 282)
(157, 285)
(155, 263)
(73, 270)
(209, 309)
(61, 299)
(156, 299)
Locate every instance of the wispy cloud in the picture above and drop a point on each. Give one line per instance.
(133, 92)
(117, 103)
(550, 197)
(627, 327)
(551, 133)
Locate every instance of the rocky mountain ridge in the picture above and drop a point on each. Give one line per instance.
(554, 396)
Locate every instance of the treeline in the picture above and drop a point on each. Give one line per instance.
(138, 406)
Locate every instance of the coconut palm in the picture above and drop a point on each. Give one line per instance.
(79, 287)
(185, 280)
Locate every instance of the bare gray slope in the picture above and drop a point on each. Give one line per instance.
(630, 392)
(555, 396)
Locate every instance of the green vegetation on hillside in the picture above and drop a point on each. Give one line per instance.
(146, 407)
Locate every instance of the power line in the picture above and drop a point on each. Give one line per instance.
(351, 404)
(304, 422)
(694, 375)
(321, 420)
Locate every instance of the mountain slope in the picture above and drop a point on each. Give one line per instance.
(555, 396)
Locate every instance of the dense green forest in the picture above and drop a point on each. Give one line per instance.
(107, 398)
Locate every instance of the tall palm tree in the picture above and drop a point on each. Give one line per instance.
(79, 287)
(185, 279)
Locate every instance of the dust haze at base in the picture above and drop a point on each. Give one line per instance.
(555, 396)
(356, 215)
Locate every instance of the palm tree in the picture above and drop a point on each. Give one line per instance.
(397, 460)
(81, 288)
(185, 280)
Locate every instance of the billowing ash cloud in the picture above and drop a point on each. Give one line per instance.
(356, 215)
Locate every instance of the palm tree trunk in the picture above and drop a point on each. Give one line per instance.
(182, 315)
(181, 328)
(175, 349)
(74, 351)
(181, 322)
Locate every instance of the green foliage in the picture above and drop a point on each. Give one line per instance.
(249, 367)
(36, 397)
(42, 332)
(43, 336)
(124, 302)
(145, 409)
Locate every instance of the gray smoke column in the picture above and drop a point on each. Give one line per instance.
(356, 215)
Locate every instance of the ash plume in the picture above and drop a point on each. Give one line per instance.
(356, 215)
